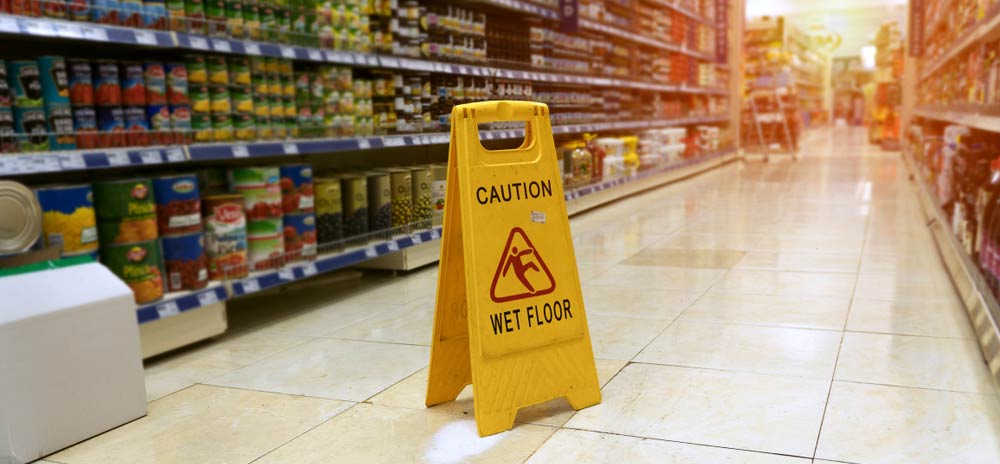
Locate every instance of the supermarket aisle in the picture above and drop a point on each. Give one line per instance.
(760, 313)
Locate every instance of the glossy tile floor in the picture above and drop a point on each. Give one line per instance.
(761, 313)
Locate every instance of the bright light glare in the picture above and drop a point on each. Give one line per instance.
(868, 57)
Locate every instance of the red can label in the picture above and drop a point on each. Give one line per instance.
(107, 87)
(81, 82)
(156, 83)
(133, 84)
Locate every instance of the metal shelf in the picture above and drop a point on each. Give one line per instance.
(971, 115)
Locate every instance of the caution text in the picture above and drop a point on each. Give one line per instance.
(530, 316)
(513, 192)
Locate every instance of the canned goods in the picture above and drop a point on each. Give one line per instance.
(239, 70)
(218, 70)
(178, 206)
(6, 94)
(329, 210)
(234, 17)
(194, 11)
(201, 127)
(212, 181)
(133, 83)
(175, 13)
(181, 123)
(215, 16)
(159, 124)
(33, 128)
(244, 126)
(401, 196)
(81, 82)
(284, 68)
(185, 261)
(79, 10)
(111, 126)
(8, 137)
(354, 192)
(197, 68)
(263, 124)
(251, 19)
(68, 220)
(288, 87)
(297, 188)
(274, 87)
(107, 87)
(290, 111)
(139, 265)
(225, 236)
(258, 64)
(265, 243)
(277, 106)
(105, 11)
(259, 85)
(243, 178)
(261, 203)
(155, 77)
(136, 126)
(55, 81)
(222, 127)
(422, 180)
(379, 201)
(130, 13)
(242, 98)
(267, 20)
(200, 100)
(85, 127)
(25, 81)
(177, 83)
(126, 211)
(219, 100)
(154, 14)
(60, 118)
(300, 236)
(439, 188)
(22, 218)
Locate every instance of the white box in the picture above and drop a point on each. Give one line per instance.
(70, 363)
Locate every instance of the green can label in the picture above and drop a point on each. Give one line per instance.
(140, 265)
(242, 97)
(127, 199)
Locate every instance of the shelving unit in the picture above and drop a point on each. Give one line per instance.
(183, 317)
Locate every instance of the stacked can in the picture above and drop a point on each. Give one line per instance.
(157, 112)
(194, 16)
(379, 201)
(303, 14)
(251, 19)
(338, 100)
(401, 196)
(329, 210)
(220, 100)
(225, 236)
(261, 190)
(68, 219)
(439, 188)
(422, 209)
(289, 113)
(241, 93)
(304, 103)
(297, 202)
(133, 84)
(30, 122)
(81, 98)
(8, 136)
(199, 100)
(55, 91)
(108, 101)
(215, 17)
(178, 214)
(260, 88)
(154, 14)
(179, 102)
(127, 229)
(354, 194)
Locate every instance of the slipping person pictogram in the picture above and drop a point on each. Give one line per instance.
(521, 273)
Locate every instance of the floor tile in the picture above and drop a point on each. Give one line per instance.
(666, 278)
(826, 312)
(733, 410)
(622, 338)
(326, 368)
(904, 286)
(925, 362)
(636, 302)
(206, 425)
(411, 393)
(787, 283)
(746, 348)
(881, 424)
(578, 446)
(689, 240)
(411, 324)
(327, 319)
(806, 262)
(933, 318)
(202, 362)
(378, 434)
(709, 259)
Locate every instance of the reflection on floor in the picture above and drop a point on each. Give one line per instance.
(761, 313)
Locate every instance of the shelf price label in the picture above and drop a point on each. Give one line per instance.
(38, 27)
(435, 234)
(94, 33)
(207, 298)
(393, 246)
(168, 309)
(33, 164)
(9, 25)
(309, 269)
(198, 42)
(68, 30)
(72, 161)
(221, 45)
(286, 274)
(250, 286)
(118, 158)
(416, 238)
(251, 48)
(150, 157)
(315, 55)
(393, 141)
(240, 151)
(175, 155)
(364, 144)
(287, 52)
(290, 148)
(145, 38)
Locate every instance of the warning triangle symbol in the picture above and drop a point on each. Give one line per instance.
(521, 273)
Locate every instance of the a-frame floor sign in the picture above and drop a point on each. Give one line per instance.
(509, 317)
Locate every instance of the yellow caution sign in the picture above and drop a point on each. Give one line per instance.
(509, 317)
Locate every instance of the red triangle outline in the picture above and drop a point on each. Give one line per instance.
(503, 259)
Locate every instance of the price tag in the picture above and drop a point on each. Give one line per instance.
(435, 234)
(207, 298)
(371, 252)
(175, 155)
(8, 165)
(394, 141)
(287, 52)
(69, 30)
(309, 269)
(150, 157)
(9, 25)
(118, 158)
(286, 274)
(364, 144)
(291, 148)
(393, 246)
(38, 27)
(167, 309)
(425, 140)
(251, 48)
(72, 161)
(240, 151)
(372, 60)
(315, 55)
(30, 164)
(440, 139)
(388, 62)
(145, 38)
(221, 45)
(198, 42)
(250, 286)
(94, 33)
(416, 238)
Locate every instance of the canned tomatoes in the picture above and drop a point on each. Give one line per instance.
(136, 126)
(68, 219)
(107, 87)
(126, 211)
(133, 83)
(139, 265)
(111, 126)
(185, 261)
(159, 124)
(300, 236)
(55, 82)
(178, 206)
(85, 127)
(81, 82)
(180, 123)
(155, 78)
(154, 14)
(297, 188)
(24, 79)
(225, 236)
(177, 83)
